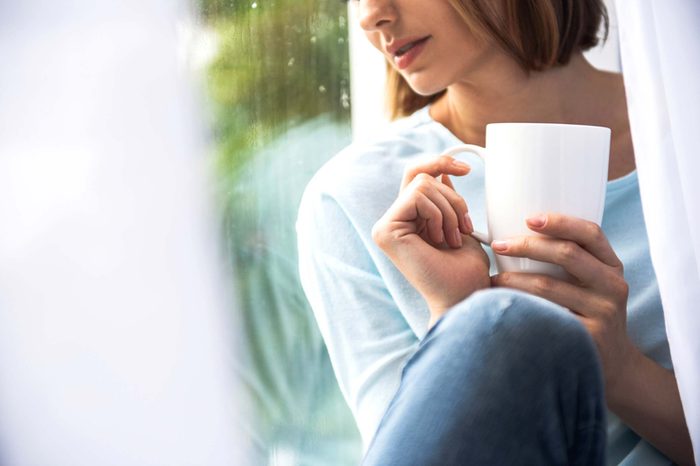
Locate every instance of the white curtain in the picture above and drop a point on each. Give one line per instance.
(660, 50)
(114, 347)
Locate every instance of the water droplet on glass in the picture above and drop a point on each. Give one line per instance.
(313, 39)
(254, 5)
(345, 99)
(341, 40)
(290, 62)
(322, 89)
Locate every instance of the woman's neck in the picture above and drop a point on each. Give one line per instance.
(576, 93)
(566, 94)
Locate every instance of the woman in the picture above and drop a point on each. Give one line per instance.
(440, 362)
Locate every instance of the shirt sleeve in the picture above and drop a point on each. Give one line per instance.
(367, 336)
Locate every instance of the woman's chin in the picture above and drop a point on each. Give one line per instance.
(423, 87)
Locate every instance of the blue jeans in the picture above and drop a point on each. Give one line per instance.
(504, 378)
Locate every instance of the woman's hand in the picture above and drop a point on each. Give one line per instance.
(425, 234)
(597, 292)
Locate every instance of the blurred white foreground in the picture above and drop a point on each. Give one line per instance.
(660, 45)
(113, 335)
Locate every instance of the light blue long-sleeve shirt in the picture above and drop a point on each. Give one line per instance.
(372, 319)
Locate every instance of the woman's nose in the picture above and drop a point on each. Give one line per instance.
(375, 14)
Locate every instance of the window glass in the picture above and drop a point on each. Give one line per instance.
(277, 84)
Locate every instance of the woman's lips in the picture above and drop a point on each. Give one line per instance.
(405, 60)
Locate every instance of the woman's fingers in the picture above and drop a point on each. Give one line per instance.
(441, 213)
(461, 207)
(450, 223)
(428, 211)
(452, 207)
(435, 167)
(572, 257)
(587, 234)
(458, 204)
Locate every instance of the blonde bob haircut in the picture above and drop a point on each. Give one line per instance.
(538, 34)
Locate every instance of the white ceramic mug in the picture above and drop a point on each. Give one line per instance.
(533, 168)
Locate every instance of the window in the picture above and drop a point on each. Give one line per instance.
(278, 88)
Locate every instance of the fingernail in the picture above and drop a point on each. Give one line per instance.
(537, 221)
(470, 226)
(458, 237)
(460, 164)
(499, 245)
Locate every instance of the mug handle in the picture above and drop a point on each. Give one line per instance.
(483, 238)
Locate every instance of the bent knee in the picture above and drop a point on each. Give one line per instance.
(500, 316)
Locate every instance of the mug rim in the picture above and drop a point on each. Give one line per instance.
(551, 125)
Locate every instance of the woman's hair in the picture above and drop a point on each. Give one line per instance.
(538, 34)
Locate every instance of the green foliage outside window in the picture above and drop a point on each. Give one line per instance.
(280, 63)
(278, 90)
